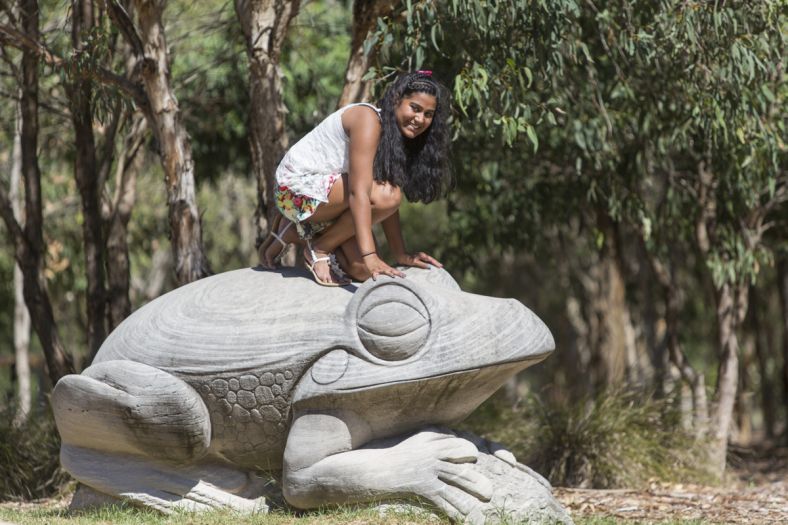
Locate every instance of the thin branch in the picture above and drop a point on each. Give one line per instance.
(22, 41)
(10, 63)
(765, 227)
(108, 146)
(121, 17)
(12, 225)
(780, 196)
(49, 107)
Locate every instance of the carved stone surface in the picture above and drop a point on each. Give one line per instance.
(339, 388)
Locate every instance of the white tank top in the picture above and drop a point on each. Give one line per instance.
(311, 163)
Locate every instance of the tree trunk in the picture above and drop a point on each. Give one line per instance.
(174, 144)
(80, 94)
(762, 354)
(729, 312)
(576, 359)
(116, 211)
(264, 24)
(744, 405)
(609, 314)
(21, 315)
(29, 241)
(118, 267)
(782, 280)
(365, 16)
(699, 417)
(654, 322)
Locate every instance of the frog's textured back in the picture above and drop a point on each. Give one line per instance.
(241, 320)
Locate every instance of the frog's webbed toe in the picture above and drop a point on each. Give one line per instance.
(444, 473)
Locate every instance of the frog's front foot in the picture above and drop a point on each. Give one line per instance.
(440, 470)
(433, 465)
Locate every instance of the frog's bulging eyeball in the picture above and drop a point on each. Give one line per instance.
(393, 323)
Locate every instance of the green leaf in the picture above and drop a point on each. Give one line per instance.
(531, 132)
(767, 93)
(434, 37)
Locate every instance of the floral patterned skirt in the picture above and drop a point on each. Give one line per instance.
(298, 208)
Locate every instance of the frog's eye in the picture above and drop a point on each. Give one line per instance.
(393, 323)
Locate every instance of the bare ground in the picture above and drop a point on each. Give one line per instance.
(755, 492)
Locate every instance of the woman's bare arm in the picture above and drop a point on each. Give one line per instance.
(363, 128)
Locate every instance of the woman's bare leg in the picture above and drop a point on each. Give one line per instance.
(384, 199)
(271, 248)
(349, 258)
(326, 211)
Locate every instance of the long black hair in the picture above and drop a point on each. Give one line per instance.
(419, 166)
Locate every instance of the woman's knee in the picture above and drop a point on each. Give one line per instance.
(385, 196)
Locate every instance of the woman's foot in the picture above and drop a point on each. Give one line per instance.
(353, 268)
(324, 267)
(274, 245)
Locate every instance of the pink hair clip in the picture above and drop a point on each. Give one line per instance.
(425, 72)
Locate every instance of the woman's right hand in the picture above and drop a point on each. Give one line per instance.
(376, 266)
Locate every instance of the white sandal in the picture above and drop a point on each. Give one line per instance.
(278, 237)
(333, 266)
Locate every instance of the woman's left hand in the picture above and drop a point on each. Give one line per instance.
(419, 260)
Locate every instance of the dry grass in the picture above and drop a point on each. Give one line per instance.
(615, 440)
(30, 457)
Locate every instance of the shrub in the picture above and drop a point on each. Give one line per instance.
(618, 439)
(30, 457)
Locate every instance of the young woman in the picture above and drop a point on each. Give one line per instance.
(350, 172)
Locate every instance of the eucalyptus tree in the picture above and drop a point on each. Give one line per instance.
(365, 18)
(153, 92)
(81, 93)
(661, 117)
(28, 239)
(21, 314)
(264, 24)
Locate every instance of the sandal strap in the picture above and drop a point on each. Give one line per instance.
(331, 258)
(278, 237)
(314, 257)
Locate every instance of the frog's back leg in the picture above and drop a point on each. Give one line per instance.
(132, 408)
(135, 432)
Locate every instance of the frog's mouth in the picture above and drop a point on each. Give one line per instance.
(505, 369)
(404, 404)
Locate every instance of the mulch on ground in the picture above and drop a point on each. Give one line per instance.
(756, 492)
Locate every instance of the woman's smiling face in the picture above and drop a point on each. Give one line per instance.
(414, 114)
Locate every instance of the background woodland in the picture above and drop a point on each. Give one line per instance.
(620, 168)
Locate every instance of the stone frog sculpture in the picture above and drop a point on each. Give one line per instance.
(344, 390)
